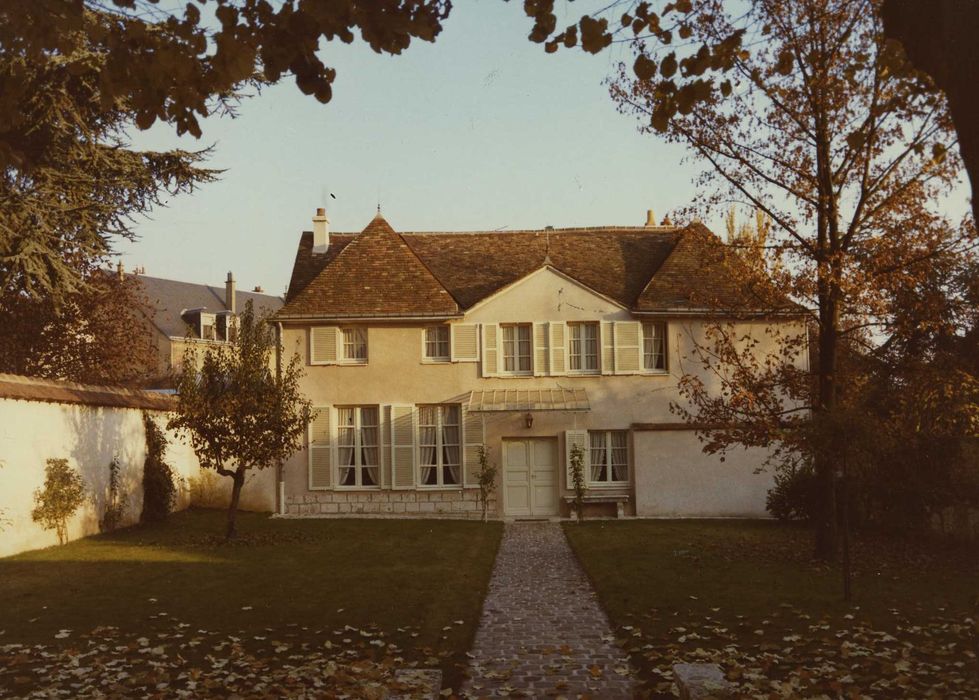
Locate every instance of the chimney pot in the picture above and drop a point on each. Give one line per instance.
(321, 231)
(650, 219)
(121, 270)
(230, 295)
(259, 289)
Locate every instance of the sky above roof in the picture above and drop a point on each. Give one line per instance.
(480, 130)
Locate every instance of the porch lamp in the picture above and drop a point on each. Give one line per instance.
(529, 420)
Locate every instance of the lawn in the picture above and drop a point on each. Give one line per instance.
(373, 595)
(746, 595)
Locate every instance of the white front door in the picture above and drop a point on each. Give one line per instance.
(530, 478)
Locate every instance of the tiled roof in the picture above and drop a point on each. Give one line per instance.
(14, 386)
(371, 274)
(168, 298)
(375, 274)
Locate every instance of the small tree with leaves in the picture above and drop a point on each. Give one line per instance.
(240, 414)
(486, 478)
(63, 492)
(578, 480)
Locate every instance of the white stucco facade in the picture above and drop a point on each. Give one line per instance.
(668, 474)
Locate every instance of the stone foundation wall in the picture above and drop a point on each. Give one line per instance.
(425, 504)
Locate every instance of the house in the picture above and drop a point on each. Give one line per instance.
(421, 347)
(184, 315)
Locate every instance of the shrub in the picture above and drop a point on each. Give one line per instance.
(578, 480)
(795, 495)
(159, 489)
(115, 505)
(207, 490)
(63, 492)
(486, 476)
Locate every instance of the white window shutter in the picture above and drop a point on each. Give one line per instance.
(628, 347)
(558, 348)
(402, 446)
(324, 345)
(464, 341)
(540, 349)
(579, 438)
(386, 453)
(322, 449)
(491, 349)
(605, 339)
(472, 438)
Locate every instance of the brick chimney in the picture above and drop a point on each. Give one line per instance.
(321, 231)
(650, 219)
(229, 294)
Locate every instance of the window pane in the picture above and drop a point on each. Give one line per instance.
(591, 346)
(509, 360)
(450, 474)
(599, 470)
(575, 345)
(620, 456)
(654, 345)
(354, 344)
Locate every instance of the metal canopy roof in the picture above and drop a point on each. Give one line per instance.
(557, 399)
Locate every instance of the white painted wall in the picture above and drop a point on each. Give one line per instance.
(674, 478)
(671, 475)
(31, 432)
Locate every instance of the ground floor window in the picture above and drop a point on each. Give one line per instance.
(609, 456)
(357, 438)
(439, 445)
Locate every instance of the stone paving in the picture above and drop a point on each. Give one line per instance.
(542, 632)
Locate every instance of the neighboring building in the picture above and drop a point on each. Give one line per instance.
(187, 315)
(420, 347)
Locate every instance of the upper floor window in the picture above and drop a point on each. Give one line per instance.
(357, 452)
(654, 346)
(583, 347)
(609, 456)
(439, 445)
(517, 358)
(437, 343)
(208, 324)
(354, 345)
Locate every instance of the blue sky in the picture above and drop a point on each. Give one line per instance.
(479, 130)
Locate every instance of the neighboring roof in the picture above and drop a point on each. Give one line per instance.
(169, 298)
(556, 399)
(15, 386)
(375, 274)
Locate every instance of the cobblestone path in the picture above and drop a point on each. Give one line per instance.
(542, 633)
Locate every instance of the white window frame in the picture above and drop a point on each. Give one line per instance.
(343, 357)
(662, 326)
(609, 453)
(358, 466)
(208, 320)
(427, 343)
(516, 355)
(580, 353)
(440, 445)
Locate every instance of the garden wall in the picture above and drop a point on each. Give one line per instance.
(89, 426)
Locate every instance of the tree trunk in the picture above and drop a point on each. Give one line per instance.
(239, 481)
(825, 465)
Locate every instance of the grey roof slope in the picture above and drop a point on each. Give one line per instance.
(168, 298)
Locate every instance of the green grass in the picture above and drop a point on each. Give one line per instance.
(735, 591)
(314, 576)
